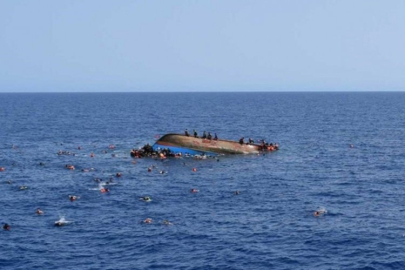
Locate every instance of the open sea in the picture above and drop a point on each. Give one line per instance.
(344, 152)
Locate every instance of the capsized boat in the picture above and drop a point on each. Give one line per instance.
(178, 143)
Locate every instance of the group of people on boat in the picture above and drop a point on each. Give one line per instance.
(148, 151)
(265, 145)
(145, 151)
(204, 136)
(269, 146)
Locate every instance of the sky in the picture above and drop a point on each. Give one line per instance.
(202, 45)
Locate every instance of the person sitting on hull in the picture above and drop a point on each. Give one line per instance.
(195, 133)
(186, 133)
(215, 137)
(251, 141)
(241, 140)
(204, 136)
(263, 145)
(209, 136)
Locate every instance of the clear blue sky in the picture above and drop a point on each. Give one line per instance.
(219, 45)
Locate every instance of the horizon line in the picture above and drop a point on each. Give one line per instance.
(191, 92)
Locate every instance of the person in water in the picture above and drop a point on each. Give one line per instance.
(70, 167)
(72, 198)
(147, 221)
(320, 211)
(39, 211)
(146, 199)
(59, 223)
(6, 227)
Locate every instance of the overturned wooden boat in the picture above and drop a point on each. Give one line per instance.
(183, 144)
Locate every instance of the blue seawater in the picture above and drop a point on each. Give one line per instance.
(270, 225)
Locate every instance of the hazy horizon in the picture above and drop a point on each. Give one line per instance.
(202, 46)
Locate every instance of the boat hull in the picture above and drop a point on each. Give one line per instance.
(178, 143)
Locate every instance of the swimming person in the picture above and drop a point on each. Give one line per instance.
(147, 221)
(61, 222)
(145, 199)
(320, 211)
(166, 222)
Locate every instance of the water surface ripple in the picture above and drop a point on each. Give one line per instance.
(270, 225)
